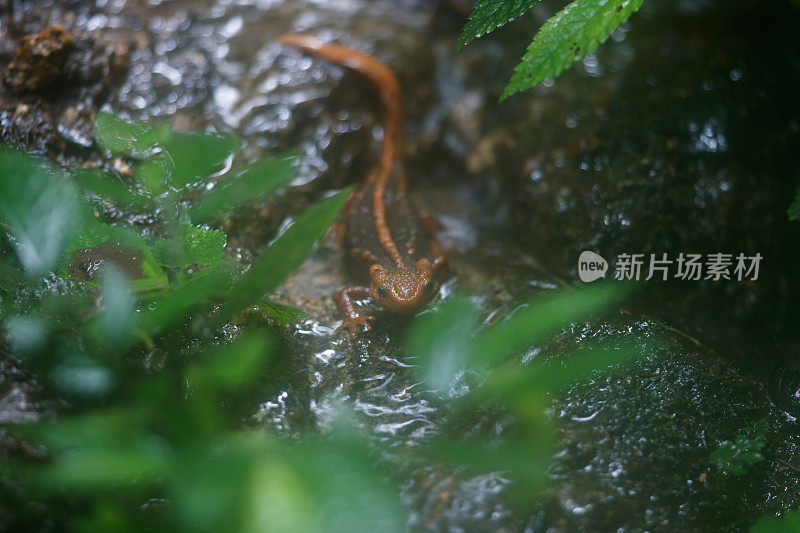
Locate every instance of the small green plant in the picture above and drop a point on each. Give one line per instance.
(737, 456)
(53, 221)
(564, 39)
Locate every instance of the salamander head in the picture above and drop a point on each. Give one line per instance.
(403, 290)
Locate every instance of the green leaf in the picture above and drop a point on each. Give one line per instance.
(284, 255)
(173, 305)
(488, 15)
(788, 523)
(96, 454)
(145, 277)
(169, 253)
(735, 457)
(191, 245)
(116, 317)
(126, 137)
(39, 207)
(254, 181)
(566, 37)
(204, 246)
(519, 383)
(194, 246)
(80, 375)
(540, 319)
(230, 366)
(322, 486)
(198, 155)
(155, 173)
(106, 185)
(794, 210)
(26, 334)
(281, 313)
(443, 340)
(525, 454)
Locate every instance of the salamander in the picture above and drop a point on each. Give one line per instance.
(389, 243)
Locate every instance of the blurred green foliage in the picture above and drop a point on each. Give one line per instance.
(564, 39)
(85, 299)
(450, 341)
(737, 456)
(794, 210)
(789, 523)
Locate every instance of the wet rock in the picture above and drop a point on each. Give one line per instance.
(19, 404)
(39, 60)
(55, 78)
(635, 445)
(784, 387)
(29, 125)
(447, 503)
(86, 264)
(17, 389)
(634, 448)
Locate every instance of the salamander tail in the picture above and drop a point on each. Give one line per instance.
(377, 72)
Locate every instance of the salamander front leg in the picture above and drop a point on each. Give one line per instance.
(440, 263)
(352, 319)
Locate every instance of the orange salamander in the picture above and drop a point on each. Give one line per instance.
(389, 243)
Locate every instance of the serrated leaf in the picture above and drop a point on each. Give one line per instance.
(488, 15)
(126, 137)
(197, 156)
(252, 182)
(39, 207)
(195, 246)
(169, 253)
(567, 37)
(204, 246)
(190, 245)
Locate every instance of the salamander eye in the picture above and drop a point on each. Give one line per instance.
(429, 288)
(382, 292)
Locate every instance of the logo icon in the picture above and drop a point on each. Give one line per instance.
(591, 266)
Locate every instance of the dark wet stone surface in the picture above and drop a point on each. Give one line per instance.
(680, 137)
(635, 444)
(57, 68)
(19, 392)
(677, 136)
(86, 264)
(39, 60)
